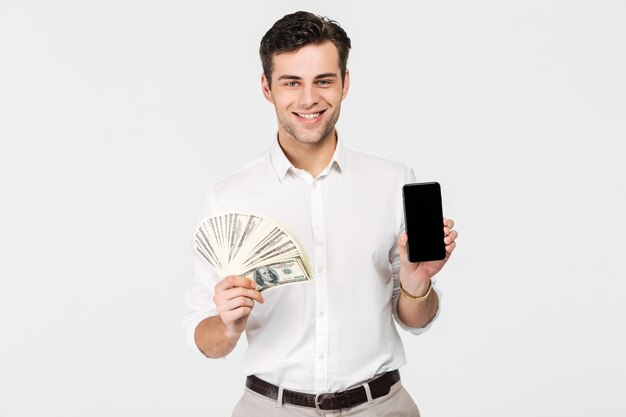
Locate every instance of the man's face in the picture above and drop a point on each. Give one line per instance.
(307, 92)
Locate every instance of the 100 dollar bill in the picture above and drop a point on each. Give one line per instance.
(278, 273)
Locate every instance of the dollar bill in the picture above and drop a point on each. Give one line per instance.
(236, 242)
(272, 275)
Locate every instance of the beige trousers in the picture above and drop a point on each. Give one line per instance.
(398, 403)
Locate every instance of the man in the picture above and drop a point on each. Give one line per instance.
(336, 332)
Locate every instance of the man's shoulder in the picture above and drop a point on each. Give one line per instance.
(373, 160)
(239, 177)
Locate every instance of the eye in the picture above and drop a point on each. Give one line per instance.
(292, 84)
(323, 82)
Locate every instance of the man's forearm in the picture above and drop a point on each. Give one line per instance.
(212, 338)
(418, 314)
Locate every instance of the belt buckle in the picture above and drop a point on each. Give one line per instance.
(317, 403)
(334, 394)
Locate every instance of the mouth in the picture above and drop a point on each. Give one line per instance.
(309, 117)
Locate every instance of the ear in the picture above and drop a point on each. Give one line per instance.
(265, 87)
(346, 85)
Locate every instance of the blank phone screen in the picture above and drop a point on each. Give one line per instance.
(423, 216)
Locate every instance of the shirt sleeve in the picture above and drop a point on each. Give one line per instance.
(409, 177)
(199, 299)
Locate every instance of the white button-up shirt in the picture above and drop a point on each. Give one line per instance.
(337, 329)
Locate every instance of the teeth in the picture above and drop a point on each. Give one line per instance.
(309, 116)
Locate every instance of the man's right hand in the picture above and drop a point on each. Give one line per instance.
(234, 298)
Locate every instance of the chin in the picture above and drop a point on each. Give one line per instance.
(312, 138)
(308, 140)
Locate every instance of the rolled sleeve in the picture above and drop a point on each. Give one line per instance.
(199, 300)
(200, 304)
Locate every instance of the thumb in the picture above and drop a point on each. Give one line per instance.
(402, 240)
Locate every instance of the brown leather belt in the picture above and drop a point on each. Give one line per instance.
(330, 401)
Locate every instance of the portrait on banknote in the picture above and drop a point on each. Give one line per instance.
(265, 276)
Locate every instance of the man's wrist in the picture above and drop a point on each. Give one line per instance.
(417, 293)
(231, 337)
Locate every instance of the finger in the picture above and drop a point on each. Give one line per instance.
(234, 292)
(402, 240)
(236, 314)
(235, 310)
(236, 303)
(448, 225)
(234, 281)
(450, 248)
(451, 237)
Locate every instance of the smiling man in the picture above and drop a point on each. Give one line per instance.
(307, 87)
(328, 346)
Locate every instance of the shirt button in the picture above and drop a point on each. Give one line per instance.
(322, 313)
(320, 269)
(315, 184)
(320, 356)
(316, 225)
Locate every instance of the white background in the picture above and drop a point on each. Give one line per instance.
(115, 116)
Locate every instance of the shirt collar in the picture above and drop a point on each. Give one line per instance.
(282, 164)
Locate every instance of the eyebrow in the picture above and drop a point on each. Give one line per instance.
(317, 77)
(326, 75)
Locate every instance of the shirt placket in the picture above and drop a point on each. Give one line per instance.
(321, 290)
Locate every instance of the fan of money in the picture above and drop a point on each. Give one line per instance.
(251, 246)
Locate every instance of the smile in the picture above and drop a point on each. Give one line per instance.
(309, 116)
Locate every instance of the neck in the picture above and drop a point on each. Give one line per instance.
(311, 157)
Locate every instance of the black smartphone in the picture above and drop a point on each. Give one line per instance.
(423, 219)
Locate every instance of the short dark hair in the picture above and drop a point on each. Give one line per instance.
(293, 31)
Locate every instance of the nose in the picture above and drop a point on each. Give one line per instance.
(308, 97)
